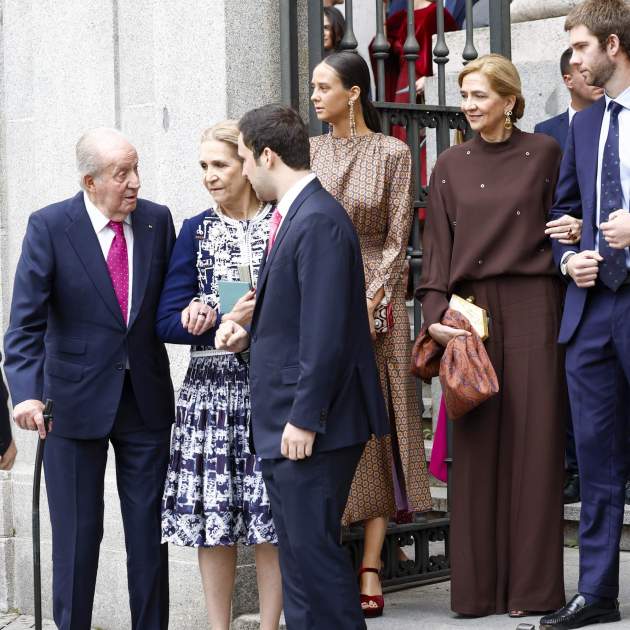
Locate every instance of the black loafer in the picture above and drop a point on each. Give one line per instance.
(577, 614)
(571, 491)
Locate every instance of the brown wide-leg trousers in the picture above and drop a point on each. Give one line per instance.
(506, 541)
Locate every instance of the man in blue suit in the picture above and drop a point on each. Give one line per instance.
(582, 96)
(82, 332)
(594, 185)
(315, 392)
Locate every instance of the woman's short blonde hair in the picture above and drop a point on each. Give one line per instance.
(503, 77)
(225, 131)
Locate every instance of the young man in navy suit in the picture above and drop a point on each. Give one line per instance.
(594, 185)
(315, 392)
(582, 96)
(82, 332)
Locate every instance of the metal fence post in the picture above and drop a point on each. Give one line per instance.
(289, 72)
(315, 55)
(500, 38)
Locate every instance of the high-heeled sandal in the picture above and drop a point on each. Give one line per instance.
(371, 605)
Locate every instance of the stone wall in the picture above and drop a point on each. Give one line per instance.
(162, 72)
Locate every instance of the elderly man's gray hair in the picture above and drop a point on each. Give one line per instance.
(89, 150)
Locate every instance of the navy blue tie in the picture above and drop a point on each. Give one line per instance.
(612, 270)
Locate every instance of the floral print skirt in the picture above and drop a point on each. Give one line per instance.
(214, 492)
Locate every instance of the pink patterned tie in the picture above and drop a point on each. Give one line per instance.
(118, 265)
(274, 224)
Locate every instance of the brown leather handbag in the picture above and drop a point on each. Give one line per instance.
(464, 367)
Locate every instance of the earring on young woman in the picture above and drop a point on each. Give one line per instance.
(353, 123)
(508, 120)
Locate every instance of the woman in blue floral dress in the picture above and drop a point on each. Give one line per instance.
(214, 496)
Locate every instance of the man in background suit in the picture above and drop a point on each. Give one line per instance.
(315, 392)
(594, 185)
(8, 451)
(82, 332)
(582, 96)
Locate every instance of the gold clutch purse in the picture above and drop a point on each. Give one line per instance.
(477, 316)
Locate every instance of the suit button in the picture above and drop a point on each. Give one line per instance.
(255, 337)
(119, 366)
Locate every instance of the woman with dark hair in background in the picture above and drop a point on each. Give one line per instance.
(334, 27)
(370, 175)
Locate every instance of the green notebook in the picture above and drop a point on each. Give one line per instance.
(230, 293)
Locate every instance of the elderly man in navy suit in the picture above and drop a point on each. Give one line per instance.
(316, 397)
(582, 96)
(82, 332)
(594, 185)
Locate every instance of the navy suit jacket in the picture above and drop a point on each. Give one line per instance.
(67, 339)
(556, 127)
(312, 360)
(576, 195)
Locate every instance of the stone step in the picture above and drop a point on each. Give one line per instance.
(15, 621)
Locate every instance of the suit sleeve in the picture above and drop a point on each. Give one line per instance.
(24, 339)
(399, 218)
(180, 287)
(437, 249)
(568, 199)
(327, 264)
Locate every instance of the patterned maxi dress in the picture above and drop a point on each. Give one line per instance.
(214, 492)
(371, 177)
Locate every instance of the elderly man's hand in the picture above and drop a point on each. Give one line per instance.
(296, 443)
(29, 415)
(231, 337)
(8, 459)
(616, 230)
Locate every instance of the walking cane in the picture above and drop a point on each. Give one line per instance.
(37, 568)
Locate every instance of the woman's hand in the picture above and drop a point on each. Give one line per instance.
(566, 230)
(420, 81)
(443, 334)
(370, 311)
(243, 310)
(198, 318)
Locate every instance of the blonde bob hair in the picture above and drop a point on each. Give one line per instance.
(503, 77)
(225, 131)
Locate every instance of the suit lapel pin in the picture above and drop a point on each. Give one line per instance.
(150, 226)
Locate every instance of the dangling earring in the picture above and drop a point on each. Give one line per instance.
(508, 120)
(353, 124)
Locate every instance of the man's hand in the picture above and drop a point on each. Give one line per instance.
(7, 460)
(443, 334)
(566, 230)
(583, 267)
(231, 337)
(616, 230)
(296, 443)
(198, 318)
(29, 415)
(243, 310)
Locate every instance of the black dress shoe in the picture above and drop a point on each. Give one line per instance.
(572, 488)
(577, 614)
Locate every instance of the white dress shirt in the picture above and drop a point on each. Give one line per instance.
(106, 235)
(572, 112)
(292, 194)
(624, 156)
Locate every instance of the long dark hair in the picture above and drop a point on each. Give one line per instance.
(352, 70)
(337, 26)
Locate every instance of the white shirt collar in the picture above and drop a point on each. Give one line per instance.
(98, 219)
(623, 99)
(572, 112)
(292, 194)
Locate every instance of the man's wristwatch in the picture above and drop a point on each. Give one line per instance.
(565, 260)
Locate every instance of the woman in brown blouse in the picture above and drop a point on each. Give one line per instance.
(485, 237)
(370, 175)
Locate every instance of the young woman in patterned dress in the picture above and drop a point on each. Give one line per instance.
(370, 175)
(214, 495)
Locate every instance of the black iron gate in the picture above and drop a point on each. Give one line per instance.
(430, 562)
